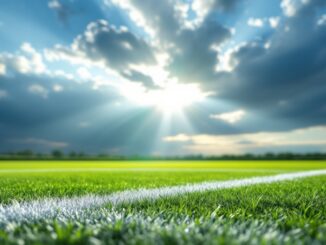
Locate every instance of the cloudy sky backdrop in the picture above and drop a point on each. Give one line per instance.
(163, 77)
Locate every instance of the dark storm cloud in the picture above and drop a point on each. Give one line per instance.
(30, 121)
(195, 60)
(224, 4)
(137, 76)
(117, 47)
(23, 108)
(288, 79)
(190, 49)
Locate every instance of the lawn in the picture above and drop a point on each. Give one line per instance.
(291, 211)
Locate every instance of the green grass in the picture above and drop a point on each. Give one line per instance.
(161, 165)
(299, 202)
(29, 186)
(291, 212)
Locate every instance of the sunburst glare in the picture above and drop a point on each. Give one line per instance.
(171, 99)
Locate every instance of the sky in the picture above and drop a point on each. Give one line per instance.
(170, 77)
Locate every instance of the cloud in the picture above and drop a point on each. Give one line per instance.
(108, 48)
(306, 138)
(57, 88)
(195, 60)
(62, 11)
(230, 117)
(58, 114)
(84, 73)
(36, 59)
(290, 7)
(259, 23)
(191, 56)
(204, 7)
(119, 48)
(255, 22)
(2, 69)
(3, 94)
(264, 77)
(137, 76)
(41, 142)
(274, 21)
(177, 138)
(26, 60)
(322, 20)
(38, 90)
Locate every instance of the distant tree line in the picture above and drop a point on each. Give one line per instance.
(60, 155)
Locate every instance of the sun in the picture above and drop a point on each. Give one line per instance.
(176, 97)
(170, 99)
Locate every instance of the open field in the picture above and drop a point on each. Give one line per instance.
(163, 202)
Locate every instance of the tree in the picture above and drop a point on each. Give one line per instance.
(72, 154)
(25, 153)
(57, 154)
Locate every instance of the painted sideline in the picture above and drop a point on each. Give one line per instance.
(63, 208)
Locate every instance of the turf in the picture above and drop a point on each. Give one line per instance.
(161, 165)
(30, 186)
(289, 212)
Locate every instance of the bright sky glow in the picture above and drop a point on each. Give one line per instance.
(168, 100)
(230, 117)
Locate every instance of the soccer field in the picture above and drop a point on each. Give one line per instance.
(173, 202)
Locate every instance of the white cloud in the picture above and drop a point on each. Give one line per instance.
(41, 142)
(230, 117)
(38, 90)
(22, 64)
(226, 61)
(255, 22)
(182, 11)
(322, 20)
(111, 62)
(3, 94)
(57, 88)
(2, 69)
(274, 21)
(267, 45)
(83, 73)
(61, 73)
(178, 138)
(135, 15)
(290, 7)
(54, 4)
(27, 61)
(203, 7)
(36, 60)
(242, 143)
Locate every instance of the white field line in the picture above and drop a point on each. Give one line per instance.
(50, 170)
(71, 207)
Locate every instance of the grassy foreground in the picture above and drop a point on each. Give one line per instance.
(161, 165)
(290, 212)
